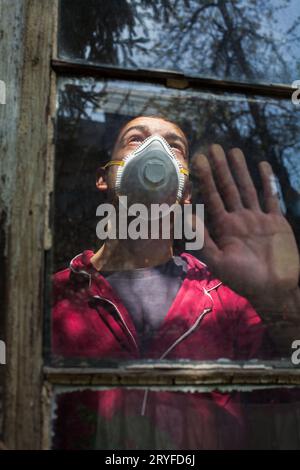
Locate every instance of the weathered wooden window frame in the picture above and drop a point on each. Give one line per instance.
(28, 383)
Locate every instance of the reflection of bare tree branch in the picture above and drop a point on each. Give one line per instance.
(204, 36)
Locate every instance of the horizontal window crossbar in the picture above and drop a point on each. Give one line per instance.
(169, 78)
(160, 375)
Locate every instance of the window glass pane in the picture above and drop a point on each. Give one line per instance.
(239, 40)
(139, 313)
(153, 419)
(145, 315)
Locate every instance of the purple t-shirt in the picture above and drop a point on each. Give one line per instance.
(148, 293)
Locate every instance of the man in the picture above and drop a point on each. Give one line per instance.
(133, 299)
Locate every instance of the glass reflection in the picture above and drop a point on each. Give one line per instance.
(151, 419)
(239, 40)
(89, 117)
(91, 113)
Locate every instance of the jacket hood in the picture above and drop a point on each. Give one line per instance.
(81, 264)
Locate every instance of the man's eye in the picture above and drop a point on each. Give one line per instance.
(135, 138)
(177, 147)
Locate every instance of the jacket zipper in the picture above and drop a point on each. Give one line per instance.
(121, 318)
(187, 333)
(181, 338)
(106, 300)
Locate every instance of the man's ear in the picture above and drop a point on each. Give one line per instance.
(101, 183)
(187, 194)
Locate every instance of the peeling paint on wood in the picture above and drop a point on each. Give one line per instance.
(26, 47)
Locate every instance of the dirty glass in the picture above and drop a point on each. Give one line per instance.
(88, 323)
(244, 40)
(123, 418)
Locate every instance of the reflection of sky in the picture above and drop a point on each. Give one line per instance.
(284, 20)
(291, 162)
(287, 17)
(274, 29)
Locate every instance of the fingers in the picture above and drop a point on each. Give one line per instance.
(224, 179)
(271, 199)
(210, 195)
(244, 181)
(224, 188)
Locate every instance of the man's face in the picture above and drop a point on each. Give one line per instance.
(137, 130)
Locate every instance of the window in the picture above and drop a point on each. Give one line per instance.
(118, 66)
(222, 71)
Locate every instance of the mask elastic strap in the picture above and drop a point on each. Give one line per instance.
(122, 163)
(112, 163)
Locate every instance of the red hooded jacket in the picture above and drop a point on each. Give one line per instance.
(207, 321)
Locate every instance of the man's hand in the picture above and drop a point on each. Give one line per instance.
(251, 250)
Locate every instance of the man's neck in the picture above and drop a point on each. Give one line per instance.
(121, 255)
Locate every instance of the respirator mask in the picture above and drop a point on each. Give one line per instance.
(151, 174)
